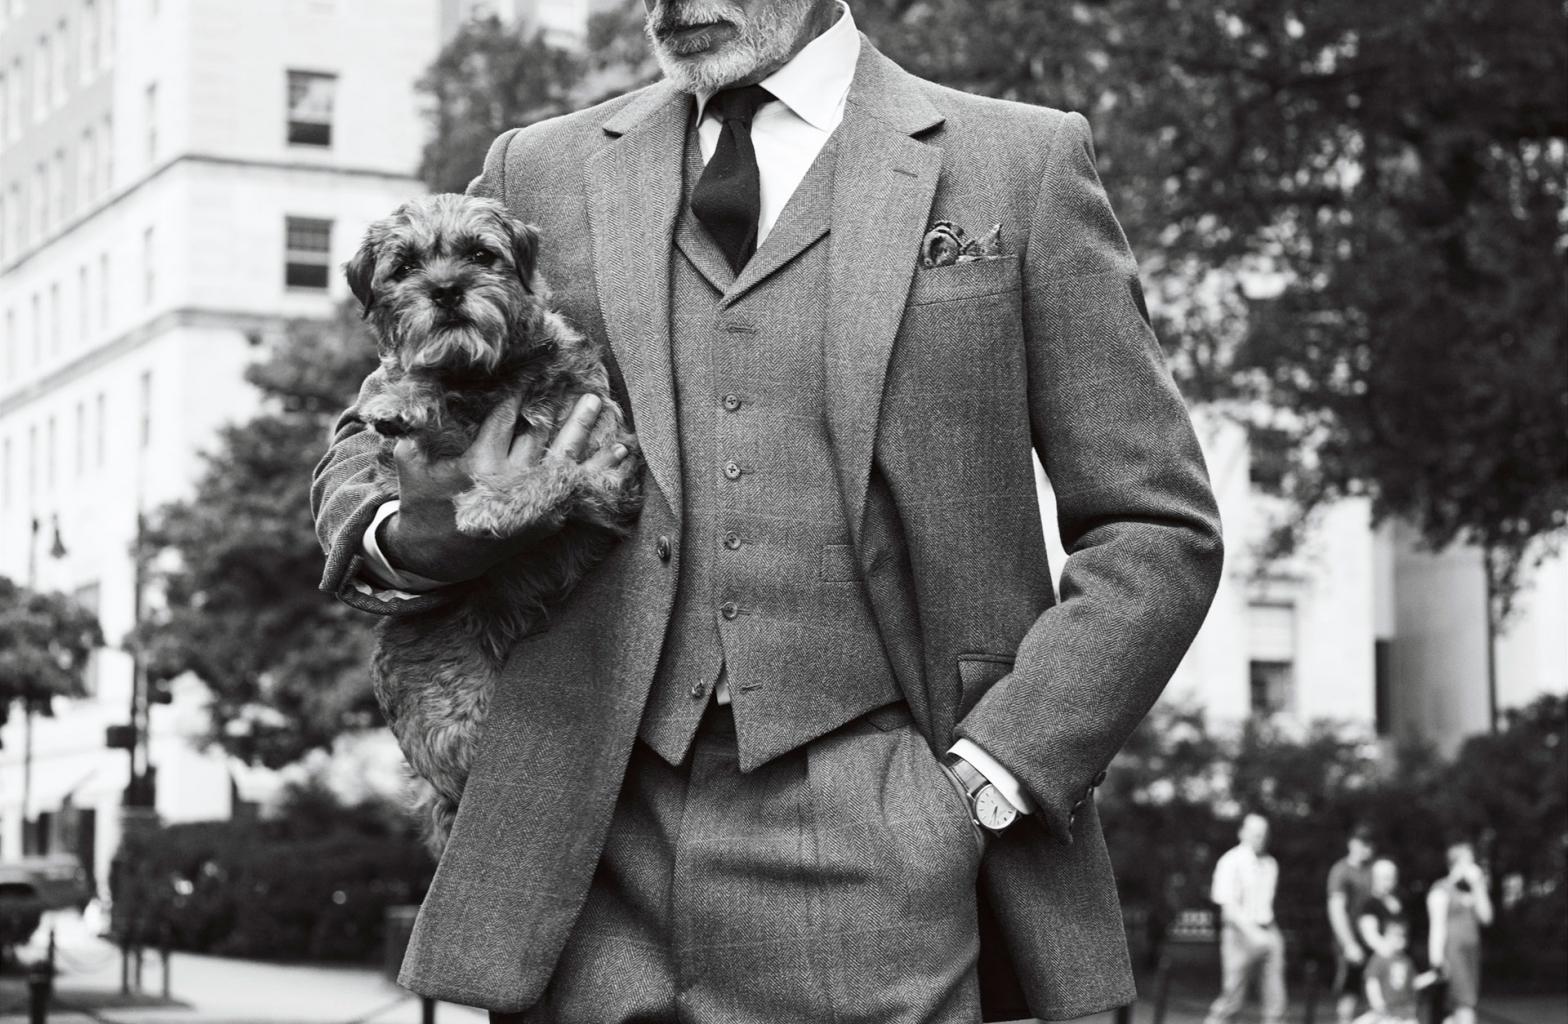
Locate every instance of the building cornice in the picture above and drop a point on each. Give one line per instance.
(206, 159)
(85, 363)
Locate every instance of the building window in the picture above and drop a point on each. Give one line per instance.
(40, 200)
(87, 168)
(13, 345)
(81, 438)
(50, 461)
(41, 79)
(54, 319)
(14, 122)
(62, 201)
(89, 39)
(306, 263)
(146, 395)
(38, 328)
(62, 54)
(82, 323)
(149, 268)
(103, 290)
(1271, 657)
(107, 144)
(5, 106)
(151, 107)
(100, 446)
(5, 474)
(310, 108)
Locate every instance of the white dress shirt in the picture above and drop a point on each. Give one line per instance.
(787, 135)
(1244, 883)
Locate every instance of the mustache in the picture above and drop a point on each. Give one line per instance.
(666, 17)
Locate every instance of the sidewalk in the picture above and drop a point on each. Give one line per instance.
(215, 990)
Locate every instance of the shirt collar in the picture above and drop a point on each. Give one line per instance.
(816, 80)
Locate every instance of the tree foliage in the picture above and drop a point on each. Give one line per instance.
(238, 564)
(46, 639)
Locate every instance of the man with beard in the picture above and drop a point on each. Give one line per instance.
(819, 741)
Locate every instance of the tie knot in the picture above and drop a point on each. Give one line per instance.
(739, 104)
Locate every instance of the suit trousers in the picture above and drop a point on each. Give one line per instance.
(833, 883)
(1240, 959)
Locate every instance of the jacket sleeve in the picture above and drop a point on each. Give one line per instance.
(1135, 510)
(343, 494)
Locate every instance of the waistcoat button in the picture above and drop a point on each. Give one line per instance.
(732, 541)
(729, 610)
(699, 690)
(661, 547)
(732, 402)
(732, 470)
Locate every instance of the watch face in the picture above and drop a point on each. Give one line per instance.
(993, 810)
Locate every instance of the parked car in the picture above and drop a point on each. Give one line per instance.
(31, 885)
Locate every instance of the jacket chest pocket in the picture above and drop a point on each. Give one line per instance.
(973, 280)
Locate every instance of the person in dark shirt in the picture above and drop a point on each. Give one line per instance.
(1380, 908)
(1349, 884)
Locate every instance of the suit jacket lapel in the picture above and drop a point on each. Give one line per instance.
(633, 187)
(885, 182)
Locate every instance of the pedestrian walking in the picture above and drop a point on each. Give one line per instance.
(1349, 884)
(1251, 944)
(1458, 906)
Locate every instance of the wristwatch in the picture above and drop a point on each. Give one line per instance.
(990, 809)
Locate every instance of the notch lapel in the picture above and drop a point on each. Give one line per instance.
(633, 187)
(882, 200)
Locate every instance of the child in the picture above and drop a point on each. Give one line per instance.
(1392, 981)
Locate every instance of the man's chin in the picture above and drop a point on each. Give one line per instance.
(709, 70)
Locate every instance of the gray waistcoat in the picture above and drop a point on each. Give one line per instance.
(769, 588)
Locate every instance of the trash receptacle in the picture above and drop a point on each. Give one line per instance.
(399, 927)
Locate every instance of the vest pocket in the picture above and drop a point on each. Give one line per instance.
(839, 564)
(976, 674)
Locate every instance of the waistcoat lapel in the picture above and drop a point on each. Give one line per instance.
(633, 187)
(804, 219)
(885, 182)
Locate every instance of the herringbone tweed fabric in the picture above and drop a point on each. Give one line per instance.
(769, 586)
(940, 383)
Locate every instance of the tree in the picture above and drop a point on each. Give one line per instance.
(287, 666)
(45, 642)
(487, 79)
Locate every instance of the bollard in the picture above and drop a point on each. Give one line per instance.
(427, 1010)
(125, 969)
(40, 987)
(1310, 1011)
(1162, 989)
(164, 942)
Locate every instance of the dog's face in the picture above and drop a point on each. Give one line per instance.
(447, 282)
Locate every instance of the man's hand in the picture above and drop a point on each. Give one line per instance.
(422, 536)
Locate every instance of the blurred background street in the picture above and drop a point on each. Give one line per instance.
(1353, 231)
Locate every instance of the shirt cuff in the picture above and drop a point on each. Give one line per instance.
(994, 773)
(380, 569)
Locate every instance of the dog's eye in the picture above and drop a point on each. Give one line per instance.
(400, 269)
(483, 257)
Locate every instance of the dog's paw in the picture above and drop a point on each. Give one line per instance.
(491, 509)
(390, 416)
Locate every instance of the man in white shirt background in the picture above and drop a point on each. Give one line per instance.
(1251, 945)
(818, 741)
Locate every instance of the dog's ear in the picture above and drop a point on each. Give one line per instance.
(524, 241)
(361, 270)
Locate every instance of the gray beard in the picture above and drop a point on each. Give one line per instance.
(764, 40)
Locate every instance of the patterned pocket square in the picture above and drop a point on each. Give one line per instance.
(946, 244)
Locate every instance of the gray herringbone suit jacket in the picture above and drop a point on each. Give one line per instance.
(940, 382)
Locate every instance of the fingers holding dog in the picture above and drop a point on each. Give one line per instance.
(572, 441)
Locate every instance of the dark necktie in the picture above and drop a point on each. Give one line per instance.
(728, 196)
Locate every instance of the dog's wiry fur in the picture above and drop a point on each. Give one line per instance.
(461, 319)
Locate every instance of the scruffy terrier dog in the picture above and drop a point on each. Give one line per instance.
(461, 321)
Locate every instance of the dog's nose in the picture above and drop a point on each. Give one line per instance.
(446, 295)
